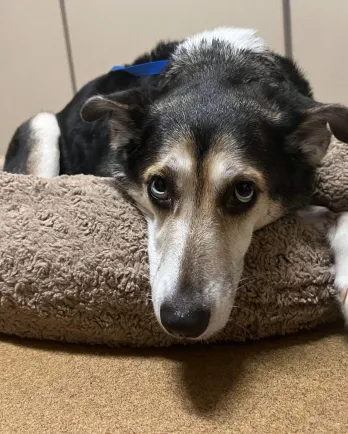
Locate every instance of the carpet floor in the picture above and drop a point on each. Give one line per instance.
(293, 384)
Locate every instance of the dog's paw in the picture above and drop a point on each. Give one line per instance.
(342, 296)
(338, 237)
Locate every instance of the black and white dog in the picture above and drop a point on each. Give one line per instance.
(222, 142)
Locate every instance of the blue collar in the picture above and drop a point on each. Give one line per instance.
(143, 69)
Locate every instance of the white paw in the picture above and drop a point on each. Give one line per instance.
(338, 237)
(342, 295)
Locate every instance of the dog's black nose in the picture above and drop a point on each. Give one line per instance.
(189, 323)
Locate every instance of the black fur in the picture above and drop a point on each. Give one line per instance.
(258, 99)
(18, 150)
(85, 147)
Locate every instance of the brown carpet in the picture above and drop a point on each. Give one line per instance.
(293, 384)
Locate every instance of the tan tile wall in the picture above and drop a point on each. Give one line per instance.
(320, 36)
(34, 65)
(117, 34)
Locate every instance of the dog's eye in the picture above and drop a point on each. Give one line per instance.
(244, 191)
(158, 189)
(240, 197)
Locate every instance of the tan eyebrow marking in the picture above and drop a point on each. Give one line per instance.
(255, 175)
(178, 158)
(224, 163)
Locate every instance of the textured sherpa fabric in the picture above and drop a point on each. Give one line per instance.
(73, 264)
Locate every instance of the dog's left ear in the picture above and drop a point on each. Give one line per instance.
(313, 135)
(125, 109)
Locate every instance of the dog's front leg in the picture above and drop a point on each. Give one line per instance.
(338, 237)
(335, 228)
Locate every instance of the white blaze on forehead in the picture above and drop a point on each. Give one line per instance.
(165, 261)
(236, 38)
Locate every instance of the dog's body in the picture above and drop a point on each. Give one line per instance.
(81, 147)
(222, 142)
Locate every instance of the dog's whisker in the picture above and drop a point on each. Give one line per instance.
(243, 307)
(246, 331)
(245, 285)
(254, 276)
(248, 280)
(159, 264)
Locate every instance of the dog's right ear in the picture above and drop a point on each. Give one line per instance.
(125, 109)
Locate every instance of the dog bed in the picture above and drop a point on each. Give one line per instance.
(73, 264)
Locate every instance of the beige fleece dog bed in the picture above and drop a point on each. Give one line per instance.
(73, 264)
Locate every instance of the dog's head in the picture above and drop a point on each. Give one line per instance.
(226, 142)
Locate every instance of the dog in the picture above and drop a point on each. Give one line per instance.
(221, 142)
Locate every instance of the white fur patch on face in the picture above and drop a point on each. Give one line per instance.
(235, 38)
(165, 263)
(44, 155)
